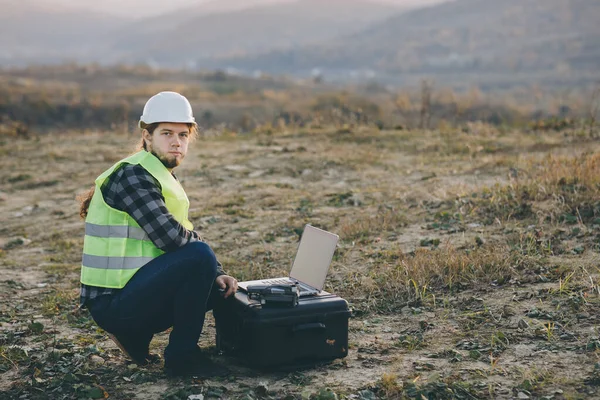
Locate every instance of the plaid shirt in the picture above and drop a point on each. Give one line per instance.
(135, 191)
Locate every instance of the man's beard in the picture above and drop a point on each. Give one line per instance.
(168, 163)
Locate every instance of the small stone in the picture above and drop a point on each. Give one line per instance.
(523, 324)
(508, 310)
(195, 397)
(566, 336)
(522, 395)
(97, 360)
(236, 168)
(257, 173)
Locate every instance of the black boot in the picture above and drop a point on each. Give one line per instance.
(135, 348)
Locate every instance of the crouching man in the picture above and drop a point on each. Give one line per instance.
(144, 268)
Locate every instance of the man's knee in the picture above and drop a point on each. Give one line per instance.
(204, 257)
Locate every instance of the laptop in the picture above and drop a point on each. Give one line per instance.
(311, 263)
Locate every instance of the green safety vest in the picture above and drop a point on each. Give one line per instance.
(115, 247)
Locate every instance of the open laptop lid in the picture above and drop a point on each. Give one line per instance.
(314, 256)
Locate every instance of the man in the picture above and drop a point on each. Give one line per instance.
(144, 268)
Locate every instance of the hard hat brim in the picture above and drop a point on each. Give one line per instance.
(142, 124)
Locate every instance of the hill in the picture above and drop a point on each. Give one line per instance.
(210, 34)
(555, 37)
(41, 33)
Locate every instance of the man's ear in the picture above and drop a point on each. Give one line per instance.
(147, 136)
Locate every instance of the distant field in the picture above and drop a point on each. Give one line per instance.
(91, 98)
(470, 258)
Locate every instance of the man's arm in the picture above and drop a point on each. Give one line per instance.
(134, 190)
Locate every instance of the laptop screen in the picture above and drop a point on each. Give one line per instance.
(313, 257)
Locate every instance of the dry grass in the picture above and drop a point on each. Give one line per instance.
(395, 278)
(571, 185)
(361, 227)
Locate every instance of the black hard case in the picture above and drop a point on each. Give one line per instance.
(316, 330)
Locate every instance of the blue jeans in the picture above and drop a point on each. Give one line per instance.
(173, 290)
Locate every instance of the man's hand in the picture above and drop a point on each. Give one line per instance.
(228, 283)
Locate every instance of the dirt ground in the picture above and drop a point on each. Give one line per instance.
(535, 336)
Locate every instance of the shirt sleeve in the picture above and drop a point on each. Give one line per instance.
(135, 191)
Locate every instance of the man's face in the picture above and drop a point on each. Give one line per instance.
(168, 142)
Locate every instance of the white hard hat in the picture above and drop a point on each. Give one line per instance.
(167, 107)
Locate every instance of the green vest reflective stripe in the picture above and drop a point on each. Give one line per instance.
(131, 232)
(101, 262)
(115, 247)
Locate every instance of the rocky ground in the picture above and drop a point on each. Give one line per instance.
(457, 289)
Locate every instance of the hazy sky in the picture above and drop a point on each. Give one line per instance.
(142, 8)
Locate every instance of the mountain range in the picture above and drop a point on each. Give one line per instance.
(31, 32)
(204, 37)
(490, 40)
(465, 37)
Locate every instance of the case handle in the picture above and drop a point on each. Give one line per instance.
(309, 327)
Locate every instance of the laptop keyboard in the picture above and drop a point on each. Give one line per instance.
(285, 281)
(282, 281)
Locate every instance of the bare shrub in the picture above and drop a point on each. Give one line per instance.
(425, 112)
(594, 109)
(14, 129)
